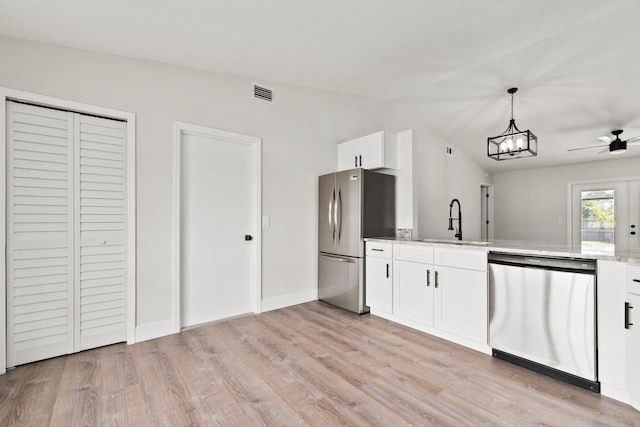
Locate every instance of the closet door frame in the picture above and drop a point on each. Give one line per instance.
(7, 94)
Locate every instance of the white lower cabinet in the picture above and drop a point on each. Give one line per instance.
(632, 325)
(633, 351)
(611, 294)
(461, 302)
(378, 277)
(449, 301)
(413, 291)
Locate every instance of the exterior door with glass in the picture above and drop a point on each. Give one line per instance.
(600, 216)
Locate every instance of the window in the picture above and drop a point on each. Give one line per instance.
(597, 221)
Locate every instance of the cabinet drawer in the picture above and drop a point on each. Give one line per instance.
(380, 250)
(633, 279)
(413, 253)
(469, 259)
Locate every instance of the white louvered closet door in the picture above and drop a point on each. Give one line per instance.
(40, 236)
(65, 232)
(100, 230)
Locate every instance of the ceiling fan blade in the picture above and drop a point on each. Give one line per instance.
(606, 150)
(633, 140)
(588, 148)
(634, 143)
(606, 139)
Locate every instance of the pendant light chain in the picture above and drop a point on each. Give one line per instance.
(512, 106)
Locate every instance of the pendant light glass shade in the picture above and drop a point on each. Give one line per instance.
(512, 143)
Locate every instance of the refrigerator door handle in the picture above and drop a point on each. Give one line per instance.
(331, 224)
(339, 215)
(336, 238)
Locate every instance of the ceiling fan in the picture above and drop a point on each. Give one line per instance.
(614, 145)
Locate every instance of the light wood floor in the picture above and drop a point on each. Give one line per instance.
(311, 364)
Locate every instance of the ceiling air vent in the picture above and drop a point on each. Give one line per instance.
(264, 93)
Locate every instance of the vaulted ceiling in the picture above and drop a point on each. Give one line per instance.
(576, 62)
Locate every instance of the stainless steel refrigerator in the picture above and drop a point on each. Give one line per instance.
(353, 204)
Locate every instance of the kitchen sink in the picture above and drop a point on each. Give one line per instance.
(456, 242)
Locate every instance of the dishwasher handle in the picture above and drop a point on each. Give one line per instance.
(573, 265)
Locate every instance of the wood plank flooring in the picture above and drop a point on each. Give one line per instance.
(310, 364)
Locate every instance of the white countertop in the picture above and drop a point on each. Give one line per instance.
(631, 255)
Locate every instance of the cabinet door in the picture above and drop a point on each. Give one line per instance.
(413, 291)
(633, 350)
(379, 284)
(461, 302)
(349, 155)
(611, 294)
(372, 150)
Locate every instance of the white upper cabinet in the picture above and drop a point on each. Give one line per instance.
(375, 151)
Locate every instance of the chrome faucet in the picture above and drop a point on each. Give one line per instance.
(458, 234)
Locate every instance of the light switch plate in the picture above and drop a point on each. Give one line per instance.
(266, 221)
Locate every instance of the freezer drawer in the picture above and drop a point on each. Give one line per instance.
(341, 282)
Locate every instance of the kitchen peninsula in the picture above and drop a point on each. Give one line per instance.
(442, 287)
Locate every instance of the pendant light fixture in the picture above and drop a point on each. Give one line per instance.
(512, 143)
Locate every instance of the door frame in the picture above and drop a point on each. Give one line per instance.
(7, 94)
(180, 129)
(490, 206)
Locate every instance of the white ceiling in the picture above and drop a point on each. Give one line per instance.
(576, 62)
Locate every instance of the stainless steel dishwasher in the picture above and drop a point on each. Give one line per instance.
(542, 315)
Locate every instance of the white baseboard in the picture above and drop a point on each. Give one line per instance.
(162, 328)
(614, 393)
(153, 330)
(289, 300)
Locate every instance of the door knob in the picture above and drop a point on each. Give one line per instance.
(248, 237)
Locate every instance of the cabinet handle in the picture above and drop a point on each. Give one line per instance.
(355, 158)
(387, 271)
(633, 233)
(428, 277)
(377, 250)
(627, 306)
(360, 158)
(436, 278)
(636, 280)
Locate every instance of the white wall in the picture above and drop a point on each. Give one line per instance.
(299, 134)
(532, 204)
(439, 178)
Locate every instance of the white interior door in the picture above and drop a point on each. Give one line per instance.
(216, 213)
